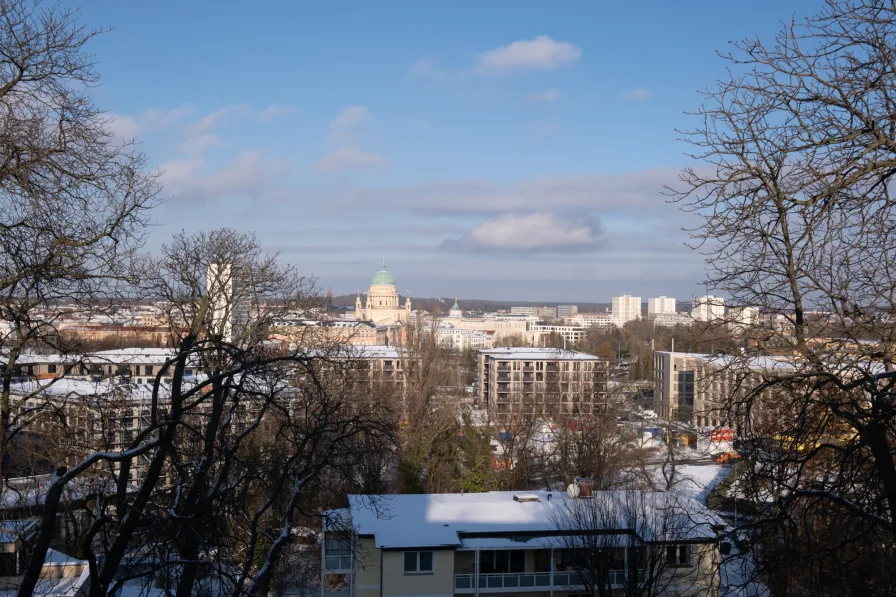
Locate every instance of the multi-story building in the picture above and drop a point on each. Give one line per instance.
(604, 321)
(566, 311)
(522, 310)
(519, 543)
(545, 313)
(538, 333)
(521, 382)
(627, 307)
(230, 295)
(708, 308)
(670, 320)
(458, 338)
(118, 366)
(660, 305)
(741, 319)
(695, 388)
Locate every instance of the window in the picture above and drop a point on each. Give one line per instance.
(418, 562)
(502, 560)
(678, 556)
(147, 369)
(51, 368)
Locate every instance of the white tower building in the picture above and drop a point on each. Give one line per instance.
(661, 305)
(627, 307)
(708, 308)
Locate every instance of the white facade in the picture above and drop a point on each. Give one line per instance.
(670, 320)
(660, 305)
(708, 308)
(627, 307)
(595, 320)
(522, 310)
(229, 291)
(743, 318)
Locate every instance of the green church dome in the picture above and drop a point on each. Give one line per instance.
(383, 278)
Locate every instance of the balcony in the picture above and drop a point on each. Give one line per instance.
(531, 581)
(534, 581)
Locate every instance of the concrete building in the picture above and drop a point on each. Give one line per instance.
(460, 339)
(522, 310)
(660, 305)
(708, 308)
(670, 320)
(604, 321)
(518, 543)
(229, 289)
(566, 311)
(694, 388)
(741, 319)
(627, 307)
(540, 382)
(382, 303)
(538, 333)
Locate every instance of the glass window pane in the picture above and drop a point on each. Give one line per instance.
(410, 561)
(425, 561)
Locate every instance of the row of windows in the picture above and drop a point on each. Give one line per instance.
(510, 561)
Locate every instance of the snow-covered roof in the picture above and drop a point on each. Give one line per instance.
(537, 354)
(12, 530)
(444, 520)
(83, 388)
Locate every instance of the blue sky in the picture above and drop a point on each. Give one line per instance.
(487, 149)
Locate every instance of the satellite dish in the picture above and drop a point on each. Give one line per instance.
(573, 490)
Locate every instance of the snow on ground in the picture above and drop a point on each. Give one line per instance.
(737, 576)
(692, 480)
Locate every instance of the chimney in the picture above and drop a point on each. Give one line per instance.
(585, 487)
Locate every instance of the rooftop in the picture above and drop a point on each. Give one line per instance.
(538, 354)
(448, 520)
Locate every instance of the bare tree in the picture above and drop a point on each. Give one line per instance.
(230, 453)
(798, 148)
(73, 199)
(636, 543)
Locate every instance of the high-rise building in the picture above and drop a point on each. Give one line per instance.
(627, 307)
(566, 310)
(708, 308)
(229, 290)
(661, 305)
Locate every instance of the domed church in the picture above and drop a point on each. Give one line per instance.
(382, 304)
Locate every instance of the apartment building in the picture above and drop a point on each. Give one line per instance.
(670, 320)
(694, 388)
(539, 332)
(566, 310)
(513, 543)
(660, 305)
(627, 307)
(516, 382)
(708, 308)
(118, 366)
(605, 321)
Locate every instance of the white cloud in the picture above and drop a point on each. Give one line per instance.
(272, 111)
(123, 127)
(639, 94)
(190, 178)
(350, 158)
(543, 52)
(533, 231)
(544, 97)
(425, 66)
(215, 117)
(161, 118)
(199, 143)
(351, 116)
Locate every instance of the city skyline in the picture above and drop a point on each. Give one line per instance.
(337, 146)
